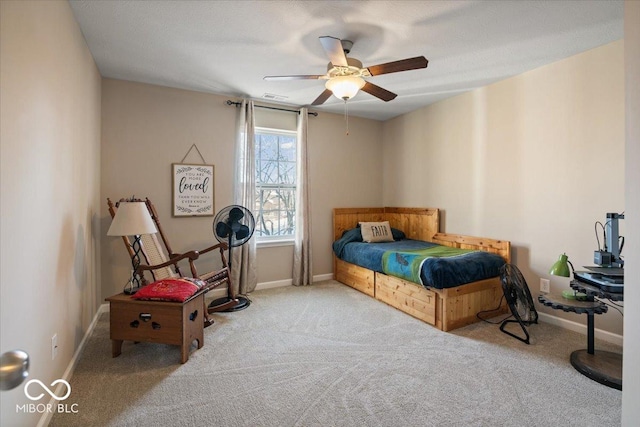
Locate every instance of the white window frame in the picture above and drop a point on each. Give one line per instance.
(272, 241)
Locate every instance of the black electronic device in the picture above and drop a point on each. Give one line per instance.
(609, 256)
(608, 273)
(605, 271)
(613, 283)
(602, 258)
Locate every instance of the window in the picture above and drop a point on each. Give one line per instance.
(276, 176)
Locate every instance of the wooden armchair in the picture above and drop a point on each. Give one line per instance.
(160, 262)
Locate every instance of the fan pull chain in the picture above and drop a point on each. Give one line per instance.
(346, 115)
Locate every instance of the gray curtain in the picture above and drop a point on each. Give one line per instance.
(243, 264)
(302, 266)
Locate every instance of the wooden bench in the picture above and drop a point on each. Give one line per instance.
(162, 322)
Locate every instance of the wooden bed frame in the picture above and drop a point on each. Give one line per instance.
(446, 309)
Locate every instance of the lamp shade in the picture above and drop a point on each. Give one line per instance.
(132, 219)
(345, 87)
(561, 267)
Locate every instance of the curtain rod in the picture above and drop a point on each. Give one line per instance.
(311, 113)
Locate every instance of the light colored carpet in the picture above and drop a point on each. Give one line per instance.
(327, 355)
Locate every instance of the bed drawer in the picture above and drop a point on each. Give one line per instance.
(408, 297)
(357, 277)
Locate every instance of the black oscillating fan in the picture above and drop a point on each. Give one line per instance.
(233, 225)
(518, 297)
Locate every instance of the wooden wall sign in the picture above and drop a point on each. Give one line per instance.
(193, 189)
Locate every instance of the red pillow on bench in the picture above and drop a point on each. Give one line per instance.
(177, 290)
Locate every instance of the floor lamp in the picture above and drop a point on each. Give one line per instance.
(132, 219)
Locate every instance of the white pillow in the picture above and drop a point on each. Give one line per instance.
(373, 232)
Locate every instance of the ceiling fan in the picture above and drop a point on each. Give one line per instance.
(345, 76)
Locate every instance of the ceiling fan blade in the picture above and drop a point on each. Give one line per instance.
(397, 66)
(323, 97)
(295, 77)
(335, 52)
(378, 92)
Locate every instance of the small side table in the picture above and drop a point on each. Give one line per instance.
(604, 367)
(177, 323)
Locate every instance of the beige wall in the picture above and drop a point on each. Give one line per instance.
(536, 159)
(50, 148)
(631, 355)
(146, 128)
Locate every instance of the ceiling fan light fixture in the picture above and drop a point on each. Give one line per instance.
(345, 87)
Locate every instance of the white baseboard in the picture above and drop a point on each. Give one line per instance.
(221, 292)
(322, 277)
(274, 284)
(581, 328)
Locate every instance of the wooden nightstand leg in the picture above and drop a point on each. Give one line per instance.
(184, 352)
(116, 348)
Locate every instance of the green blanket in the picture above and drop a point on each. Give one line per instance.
(408, 264)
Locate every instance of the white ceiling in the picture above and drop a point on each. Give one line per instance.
(227, 47)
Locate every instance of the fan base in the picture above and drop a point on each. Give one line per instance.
(243, 303)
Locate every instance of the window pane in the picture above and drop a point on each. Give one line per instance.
(287, 173)
(270, 200)
(288, 148)
(276, 175)
(277, 214)
(267, 172)
(268, 149)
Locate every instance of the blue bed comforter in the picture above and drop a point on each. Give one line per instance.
(437, 272)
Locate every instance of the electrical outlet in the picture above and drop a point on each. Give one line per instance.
(54, 346)
(544, 285)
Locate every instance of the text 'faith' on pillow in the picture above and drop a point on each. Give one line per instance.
(373, 232)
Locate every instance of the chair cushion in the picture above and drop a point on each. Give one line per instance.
(177, 290)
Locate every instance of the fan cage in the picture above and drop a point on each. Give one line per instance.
(246, 220)
(518, 297)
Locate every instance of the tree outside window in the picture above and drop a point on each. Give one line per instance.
(276, 171)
